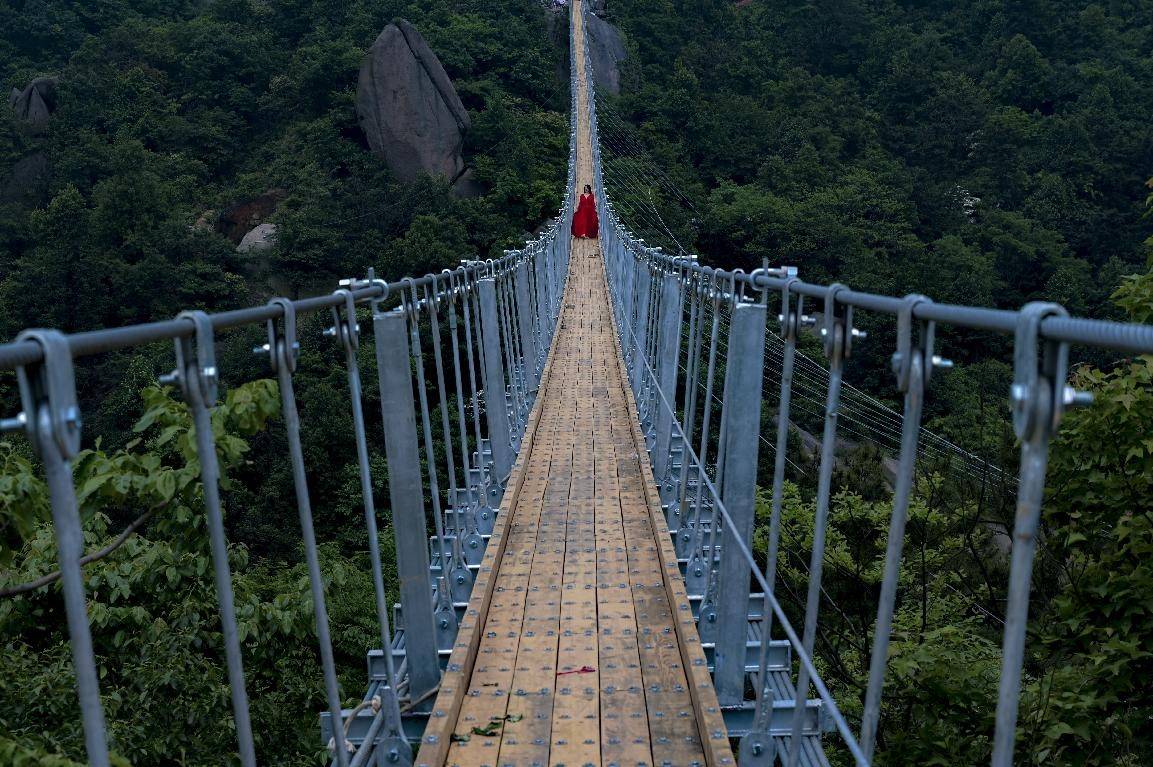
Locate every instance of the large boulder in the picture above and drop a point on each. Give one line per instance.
(408, 109)
(259, 239)
(36, 103)
(607, 49)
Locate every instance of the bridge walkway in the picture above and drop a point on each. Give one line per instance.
(578, 646)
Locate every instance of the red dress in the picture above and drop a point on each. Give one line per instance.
(585, 222)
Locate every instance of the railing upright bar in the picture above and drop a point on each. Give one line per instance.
(696, 574)
(197, 376)
(52, 422)
(528, 341)
(642, 329)
(346, 330)
(459, 577)
(282, 350)
(474, 351)
(913, 364)
(444, 616)
(1039, 397)
(838, 335)
(690, 518)
(792, 319)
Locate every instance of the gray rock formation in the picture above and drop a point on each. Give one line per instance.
(407, 107)
(608, 51)
(36, 103)
(259, 239)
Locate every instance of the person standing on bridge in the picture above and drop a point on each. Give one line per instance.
(585, 222)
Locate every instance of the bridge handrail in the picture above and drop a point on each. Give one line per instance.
(516, 299)
(650, 292)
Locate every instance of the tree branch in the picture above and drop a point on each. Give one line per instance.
(52, 577)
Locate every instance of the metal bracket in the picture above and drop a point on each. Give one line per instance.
(838, 331)
(345, 329)
(444, 616)
(902, 360)
(792, 321)
(282, 347)
(1039, 394)
(196, 373)
(50, 384)
(370, 280)
(393, 748)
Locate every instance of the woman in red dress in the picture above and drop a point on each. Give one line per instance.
(585, 222)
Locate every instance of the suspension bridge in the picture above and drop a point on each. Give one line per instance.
(572, 436)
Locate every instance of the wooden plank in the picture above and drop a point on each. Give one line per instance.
(709, 720)
(575, 731)
(525, 741)
(624, 727)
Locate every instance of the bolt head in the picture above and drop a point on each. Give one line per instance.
(1074, 398)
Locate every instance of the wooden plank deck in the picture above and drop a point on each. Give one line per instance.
(578, 647)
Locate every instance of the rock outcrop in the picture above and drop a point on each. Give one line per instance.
(407, 107)
(261, 238)
(36, 103)
(607, 49)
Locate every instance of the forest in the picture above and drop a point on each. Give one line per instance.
(987, 153)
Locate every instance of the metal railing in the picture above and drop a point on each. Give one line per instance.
(459, 357)
(673, 315)
(487, 326)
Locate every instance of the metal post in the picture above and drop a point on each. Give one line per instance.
(641, 329)
(197, 376)
(669, 358)
(346, 331)
(51, 419)
(757, 747)
(528, 341)
(742, 412)
(494, 386)
(540, 272)
(406, 492)
(282, 350)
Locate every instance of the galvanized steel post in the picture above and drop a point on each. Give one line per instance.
(528, 339)
(666, 367)
(495, 405)
(742, 414)
(641, 329)
(406, 491)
